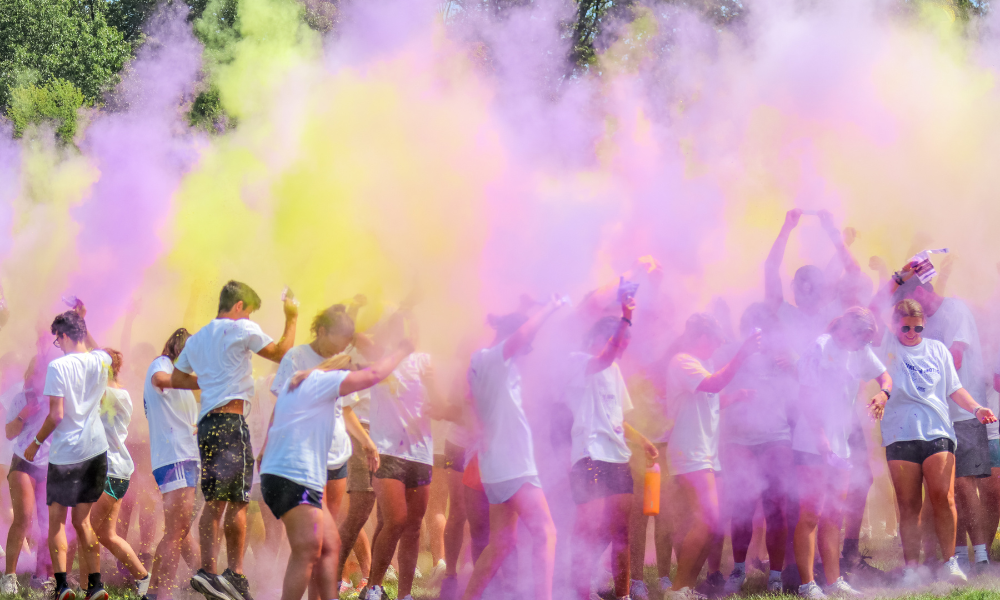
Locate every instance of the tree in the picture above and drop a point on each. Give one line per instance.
(56, 102)
(45, 40)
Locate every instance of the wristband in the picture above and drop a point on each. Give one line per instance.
(887, 393)
(898, 278)
(37, 442)
(627, 321)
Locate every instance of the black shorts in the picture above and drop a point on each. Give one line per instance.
(972, 450)
(78, 483)
(335, 474)
(115, 487)
(34, 471)
(917, 451)
(282, 495)
(592, 479)
(226, 457)
(454, 457)
(410, 472)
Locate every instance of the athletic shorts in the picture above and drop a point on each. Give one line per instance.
(454, 457)
(282, 495)
(917, 451)
(502, 491)
(115, 487)
(226, 457)
(78, 483)
(972, 450)
(36, 472)
(359, 478)
(338, 473)
(178, 475)
(994, 455)
(592, 479)
(412, 473)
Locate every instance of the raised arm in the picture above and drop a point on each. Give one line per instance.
(607, 356)
(274, 352)
(715, 382)
(524, 335)
(845, 259)
(772, 266)
(366, 378)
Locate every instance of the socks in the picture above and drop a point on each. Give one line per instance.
(851, 548)
(61, 581)
(93, 581)
(774, 576)
(741, 567)
(980, 550)
(962, 554)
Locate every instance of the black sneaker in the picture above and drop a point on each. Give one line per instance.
(97, 593)
(236, 585)
(863, 572)
(65, 593)
(209, 585)
(713, 586)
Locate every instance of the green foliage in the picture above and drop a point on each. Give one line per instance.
(56, 102)
(207, 113)
(60, 39)
(128, 17)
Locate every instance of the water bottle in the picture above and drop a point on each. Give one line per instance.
(651, 491)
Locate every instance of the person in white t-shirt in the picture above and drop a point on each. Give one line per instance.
(506, 457)
(116, 414)
(600, 478)
(830, 374)
(25, 415)
(294, 467)
(217, 360)
(919, 435)
(173, 446)
(78, 456)
(333, 332)
(402, 407)
(691, 400)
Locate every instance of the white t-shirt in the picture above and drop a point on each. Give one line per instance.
(173, 419)
(598, 402)
(506, 450)
(6, 398)
(923, 377)
(693, 443)
(764, 417)
(399, 426)
(220, 355)
(116, 414)
(80, 379)
(953, 322)
(300, 437)
(303, 358)
(834, 376)
(31, 427)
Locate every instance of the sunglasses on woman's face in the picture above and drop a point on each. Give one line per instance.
(906, 328)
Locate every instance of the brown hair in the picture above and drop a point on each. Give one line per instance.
(175, 344)
(116, 361)
(858, 319)
(907, 308)
(334, 319)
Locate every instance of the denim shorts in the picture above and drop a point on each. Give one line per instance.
(178, 475)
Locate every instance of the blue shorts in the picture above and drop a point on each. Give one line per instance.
(995, 454)
(176, 476)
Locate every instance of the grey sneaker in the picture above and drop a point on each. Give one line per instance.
(952, 573)
(142, 585)
(735, 582)
(8, 584)
(638, 590)
(236, 585)
(842, 589)
(209, 585)
(811, 590)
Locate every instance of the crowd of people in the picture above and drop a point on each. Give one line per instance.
(770, 419)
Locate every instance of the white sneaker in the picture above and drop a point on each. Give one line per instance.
(346, 587)
(142, 585)
(685, 593)
(911, 579)
(774, 586)
(842, 589)
(952, 573)
(735, 582)
(811, 590)
(391, 575)
(8, 584)
(438, 571)
(638, 590)
(374, 593)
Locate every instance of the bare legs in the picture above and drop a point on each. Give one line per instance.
(822, 492)
(235, 529)
(938, 471)
(178, 517)
(104, 519)
(598, 523)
